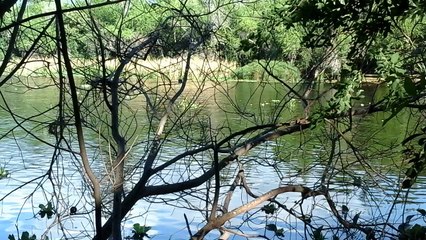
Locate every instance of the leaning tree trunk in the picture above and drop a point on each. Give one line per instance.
(78, 122)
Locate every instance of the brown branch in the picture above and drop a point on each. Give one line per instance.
(216, 185)
(231, 190)
(227, 232)
(348, 225)
(219, 221)
(417, 106)
(147, 172)
(140, 190)
(78, 122)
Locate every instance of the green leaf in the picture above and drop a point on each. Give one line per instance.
(422, 141)
(357, 181)
(46, 210)
(416, 232)
(279, 232)
(345, 209)
(317, 235)
(409, 138)
(25, 236)
(271, 227)
(407, 183)
(408, 218)
(411, 172)
(422, 212)
(410, 87)
(394, 58)
(356, 217)
(140, 230)
(11, 237)
(269, 209)
(403, 226)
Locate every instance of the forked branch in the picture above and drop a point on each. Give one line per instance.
(220, 220)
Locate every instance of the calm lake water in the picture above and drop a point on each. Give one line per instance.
(27, 158)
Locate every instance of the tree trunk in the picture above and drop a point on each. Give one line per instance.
(78, 122)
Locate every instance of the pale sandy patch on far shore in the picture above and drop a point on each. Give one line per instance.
(172, 68)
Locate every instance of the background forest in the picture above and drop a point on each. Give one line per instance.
(210, 119)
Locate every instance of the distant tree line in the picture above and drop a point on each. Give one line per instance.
(245, 32)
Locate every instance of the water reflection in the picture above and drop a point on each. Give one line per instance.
(297, 159)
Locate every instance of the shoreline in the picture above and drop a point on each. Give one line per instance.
(170, 68)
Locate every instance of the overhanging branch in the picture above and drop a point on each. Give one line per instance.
(219, 221)
(140, 190)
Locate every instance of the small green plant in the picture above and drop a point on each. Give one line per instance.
(3, 173)
(46, 210)
(139, 232)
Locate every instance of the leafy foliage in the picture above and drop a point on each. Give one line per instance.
(46, 210)
(347, 91)
(422, 212)
(139, 232)
(287, 38)
(414, 232)
(325, 18)
(408, 231)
